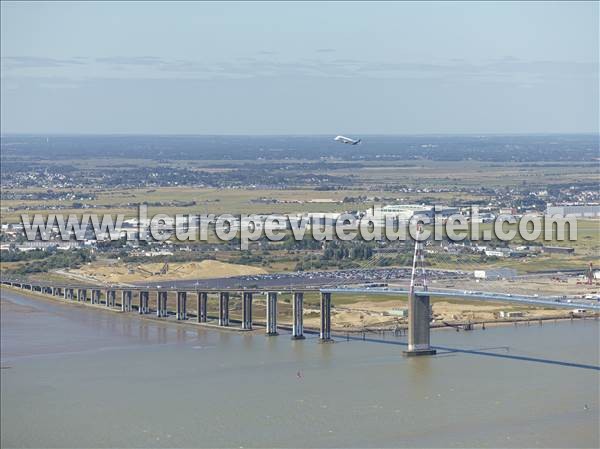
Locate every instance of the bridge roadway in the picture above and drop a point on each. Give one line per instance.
(419, 311)
(540, 301)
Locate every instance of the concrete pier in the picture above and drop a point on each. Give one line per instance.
(144, 307)
(247, 311)
(325, 331)
(95, 298)
(126, 300)
(182, 305)
(271, 313)
(69, 293)
(224, 309)
(202, 298)
(81, 295)
(298, 318)
(111, 298)
(419, 316)
(161, 303)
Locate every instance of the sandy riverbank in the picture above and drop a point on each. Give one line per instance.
(119, 272)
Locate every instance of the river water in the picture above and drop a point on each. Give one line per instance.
(73, 376)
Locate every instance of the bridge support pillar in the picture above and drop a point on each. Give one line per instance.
(95, 299)
(224, 309)
(298, 318)
(182, 305)
(247, 311)
(70, 294)
(161, 304)
(419, 316)
(82, 295)
(144, 299)
(201, 298)
(111, 298)
(325, 331)
(271, 313)
(126, 297)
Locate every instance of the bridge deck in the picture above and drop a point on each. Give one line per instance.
(541, 301)
(559, 302)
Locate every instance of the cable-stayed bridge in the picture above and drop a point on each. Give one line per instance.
(138, 299)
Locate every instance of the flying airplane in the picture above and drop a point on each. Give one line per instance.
(347, 140)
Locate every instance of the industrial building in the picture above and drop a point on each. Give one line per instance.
(558, 250)
(507, 314)
(495, 273)
(404, 212)
(574, 210)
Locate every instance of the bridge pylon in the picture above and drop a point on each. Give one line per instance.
(419, 309)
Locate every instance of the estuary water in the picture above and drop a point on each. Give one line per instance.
(73, 376)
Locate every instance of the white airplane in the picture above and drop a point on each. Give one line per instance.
(347, 140)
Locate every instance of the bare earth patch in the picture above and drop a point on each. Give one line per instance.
(136, 272)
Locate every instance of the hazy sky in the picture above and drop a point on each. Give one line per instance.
(299, 68)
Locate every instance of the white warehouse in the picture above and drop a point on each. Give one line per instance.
(495, 273)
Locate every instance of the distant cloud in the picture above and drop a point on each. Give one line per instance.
(38, 62)
(345, 61)
(132, 60)
(58, 85)
(155, 67)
